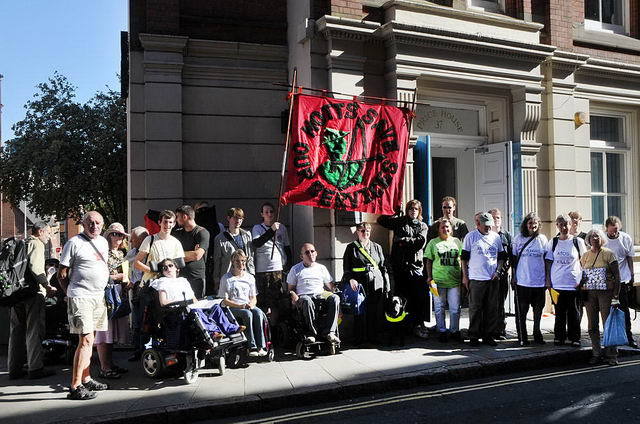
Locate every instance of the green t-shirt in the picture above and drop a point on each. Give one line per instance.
(445, 255)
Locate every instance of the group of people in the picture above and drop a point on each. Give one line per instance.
(249, 271)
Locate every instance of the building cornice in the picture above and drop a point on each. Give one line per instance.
(467, 15)
(164, 43)
(463, 42)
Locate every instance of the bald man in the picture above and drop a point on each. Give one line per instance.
(309, 280)
(83, 275)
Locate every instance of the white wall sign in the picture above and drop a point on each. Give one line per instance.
(430, 119)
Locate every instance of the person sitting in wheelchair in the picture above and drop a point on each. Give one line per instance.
(172, 288)
(308, 281)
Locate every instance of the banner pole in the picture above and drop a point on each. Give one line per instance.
(292, 95)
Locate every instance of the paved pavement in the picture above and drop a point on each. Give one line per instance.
(286, 382)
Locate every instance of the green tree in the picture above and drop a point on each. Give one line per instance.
(67, 157)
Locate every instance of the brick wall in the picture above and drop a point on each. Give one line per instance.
(12, 221)
(347, 8)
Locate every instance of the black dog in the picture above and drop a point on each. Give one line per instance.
(396, 319)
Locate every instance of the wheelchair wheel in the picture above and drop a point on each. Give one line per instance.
(222, 365)
(301, 352)
(152, 363)
(332, 348)
(271, 355)
(233, 359)
(190, 372)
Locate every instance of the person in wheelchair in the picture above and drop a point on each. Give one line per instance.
(238, 289)
(172, 288)
(308, 281)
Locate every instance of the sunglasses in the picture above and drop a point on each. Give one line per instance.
(309, 252)
(167, 267)
(447, 207)
(363, 231)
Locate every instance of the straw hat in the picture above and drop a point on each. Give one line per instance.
(115, 228)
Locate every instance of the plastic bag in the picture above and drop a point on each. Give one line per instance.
(614, 331)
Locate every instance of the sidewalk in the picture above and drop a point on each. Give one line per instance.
(288, 381)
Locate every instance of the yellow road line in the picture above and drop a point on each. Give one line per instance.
(430, 394)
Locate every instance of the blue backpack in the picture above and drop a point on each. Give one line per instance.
(353, 300)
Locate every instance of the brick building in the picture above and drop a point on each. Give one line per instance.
(535, 102)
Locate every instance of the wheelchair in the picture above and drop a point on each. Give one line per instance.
(180, 343)
(292, 333)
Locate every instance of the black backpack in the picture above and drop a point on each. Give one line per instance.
(15, 284)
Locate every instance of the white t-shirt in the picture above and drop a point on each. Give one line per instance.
(566, 271)
(239, 289)
(308, 280)
(89, 273)
(530, 271)
(484, 249)
(622, 247)
(177, 289)
(263, 262)
(169, 248)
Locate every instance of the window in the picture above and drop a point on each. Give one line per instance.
(609, 155)
(496, 6)
(607, 15)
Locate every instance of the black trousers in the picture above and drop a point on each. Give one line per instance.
(568, 315)
(368, 326)
(625, 292)
(503, 291)
(413, 287)
(529, 297)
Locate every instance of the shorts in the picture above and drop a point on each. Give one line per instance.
(86, 315)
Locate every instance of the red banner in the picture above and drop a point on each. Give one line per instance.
(346, 155)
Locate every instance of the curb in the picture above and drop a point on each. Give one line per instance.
(245, 405)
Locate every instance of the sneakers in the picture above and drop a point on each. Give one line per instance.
(489, 341)
(309, 339)
(95, 386)
(40, 373)
(455, 336)
(575, 343)
(81, 393)
(632, 344)
(262, 352)
(332, 338)
(612, 362)
(474, 342)
(421, 332)
(254, 353)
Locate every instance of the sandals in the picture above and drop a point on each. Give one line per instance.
(81, 393)
(109, 374)
(95, 386)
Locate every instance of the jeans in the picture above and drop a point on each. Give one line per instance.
(308, 309)
(526, 297)
(27, 330)
(599, 301)
(450, 297)
(568, 314)
(483, 310)
(253, 319)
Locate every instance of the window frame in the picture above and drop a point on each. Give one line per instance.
(625, 149)
(497, 6)
(590, 24)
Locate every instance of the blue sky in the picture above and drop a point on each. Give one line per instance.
(79, 39)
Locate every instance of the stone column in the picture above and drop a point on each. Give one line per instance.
(527, 104)
(162, 67)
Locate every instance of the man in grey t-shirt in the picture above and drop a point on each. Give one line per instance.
(83, 275)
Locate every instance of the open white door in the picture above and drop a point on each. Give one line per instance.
(494, 183)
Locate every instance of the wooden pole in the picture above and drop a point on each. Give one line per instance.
(292, 96)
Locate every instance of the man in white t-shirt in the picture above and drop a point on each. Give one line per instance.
(270, 261)
(309, 280)
(622, 246)
(482, 257)
(83, 275)
(159, 246)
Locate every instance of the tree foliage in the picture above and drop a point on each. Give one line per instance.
(67, 157)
